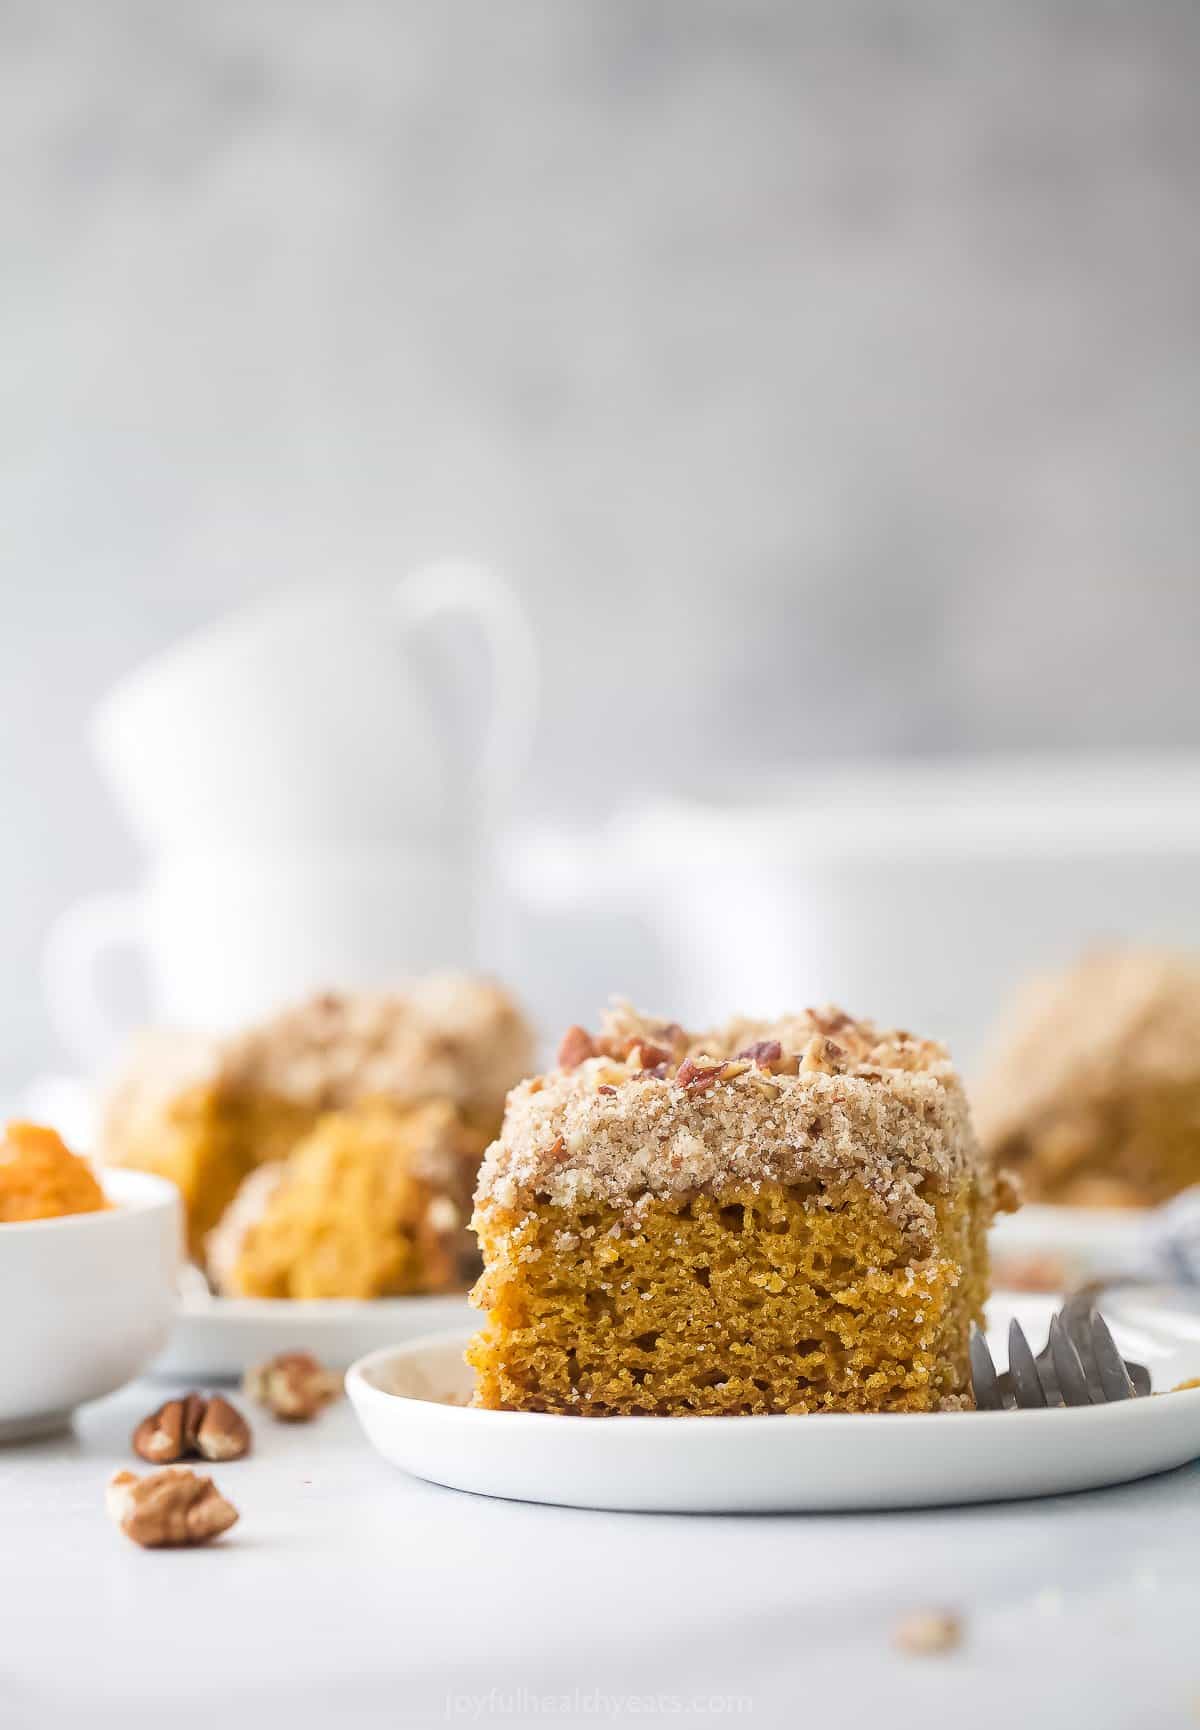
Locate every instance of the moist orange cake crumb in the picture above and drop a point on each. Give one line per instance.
(1093, 1094)
(770, 1217)
(40, 1178)
(373, 1202)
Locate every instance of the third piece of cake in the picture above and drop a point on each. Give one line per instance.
(1093, 1092)
(771, 1217)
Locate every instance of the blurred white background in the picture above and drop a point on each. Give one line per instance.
(826, 376)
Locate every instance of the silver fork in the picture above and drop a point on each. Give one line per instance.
(1079, 1365)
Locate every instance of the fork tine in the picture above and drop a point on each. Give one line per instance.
(1114, 1377)
(1078, 1312)
(988, 1397)
(1023, 1370)
(1076, 1317)
(1072, 1380)
(1139, 1375)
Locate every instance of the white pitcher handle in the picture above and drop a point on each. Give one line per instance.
(78, 941)
(458, 586)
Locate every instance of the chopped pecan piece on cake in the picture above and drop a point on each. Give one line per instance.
(775, 1217)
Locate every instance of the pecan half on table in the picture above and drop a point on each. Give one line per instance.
(195, 1426)
(292, 1386)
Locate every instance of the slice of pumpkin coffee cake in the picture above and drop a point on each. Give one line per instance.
(771, 1217)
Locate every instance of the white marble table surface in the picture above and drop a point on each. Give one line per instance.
(352, 1595)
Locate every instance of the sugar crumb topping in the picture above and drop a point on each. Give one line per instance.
(645, 1109)
(1116, 1022)
(449, 1035)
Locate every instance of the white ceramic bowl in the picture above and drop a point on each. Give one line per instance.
(87, 1301)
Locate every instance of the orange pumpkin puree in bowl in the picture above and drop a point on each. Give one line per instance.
(40, 1178)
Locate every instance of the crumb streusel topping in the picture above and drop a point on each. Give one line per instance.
(649, 1110)
(452, 1036)
(449, 1036)
(1117, 1021)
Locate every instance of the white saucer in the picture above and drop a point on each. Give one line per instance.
(410, 1401)
(215, 1339)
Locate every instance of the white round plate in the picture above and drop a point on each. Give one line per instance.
(410, 1401)
(215, 1339)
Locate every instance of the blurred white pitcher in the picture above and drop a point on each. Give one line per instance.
(301, 720)
(304, 814)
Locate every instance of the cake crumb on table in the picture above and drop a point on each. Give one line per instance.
(928, 1633)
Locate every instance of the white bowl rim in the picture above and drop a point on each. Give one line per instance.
(358, 1384)
(133, 1192)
